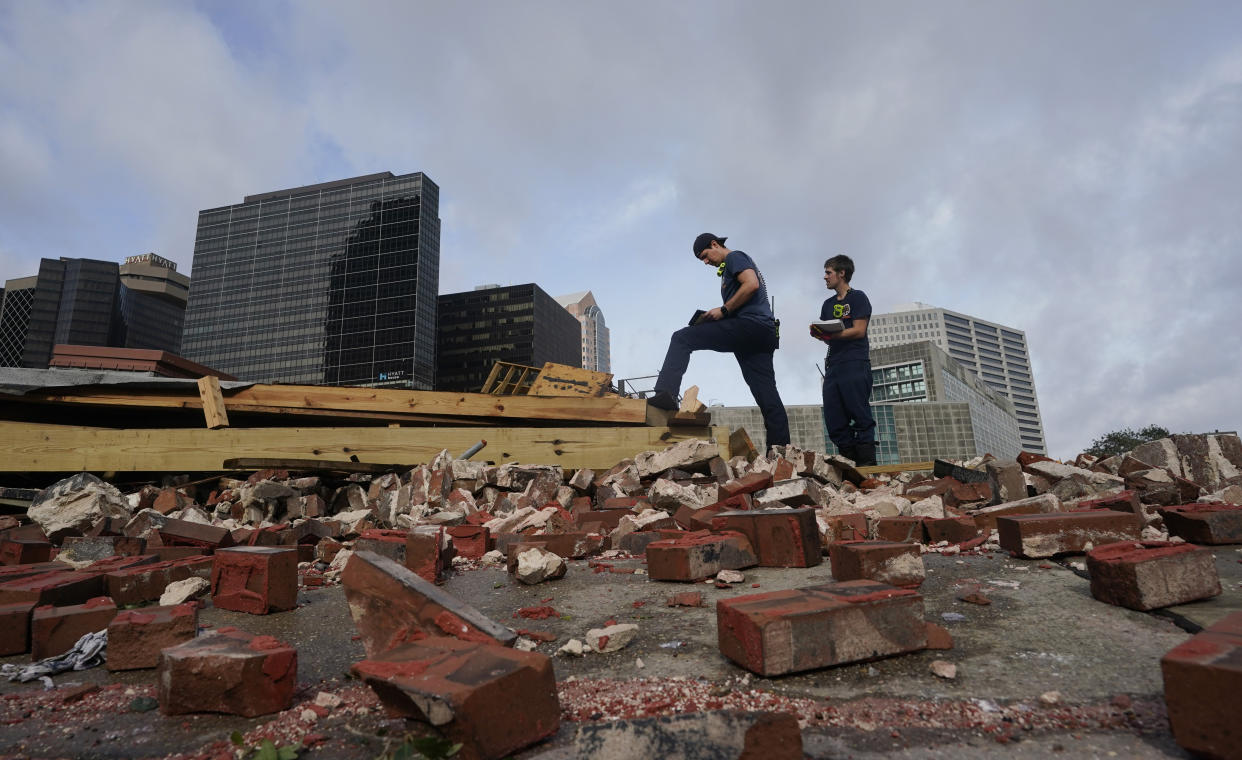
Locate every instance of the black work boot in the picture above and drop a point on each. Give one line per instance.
(866, 455)
(849, 452)
(663, 400)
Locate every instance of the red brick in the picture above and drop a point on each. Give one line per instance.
(1037, 536)
(894, 563)
(968, 493)
(227, 671)
(255, 579)
(168, 553)
(54, 630)
(17, 572)
(608, 518)
(428, 552)
(1205, 523)
(789, 631)
(55, 588)
(1044, 503)
(170, 500)
(386, 543)
(146, 583)
(693, 519)
(24, 551)
(1202, 680)
(1025, 458)
(747, 484)
(135, 637)
(632, 503)
(955, 530)
(847, 527)
(1145, 575)
(493, 701)
(908, 530)
(15, 628)
(1126, 501)
(470, 541)
(638, 541)
(101, 547)
(699, 555)
(186, 533)
(572, 545)
(120, 562)
(779, 537)
(391, 606)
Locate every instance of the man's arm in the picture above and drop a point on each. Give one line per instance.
(853, 332)
(748, 285)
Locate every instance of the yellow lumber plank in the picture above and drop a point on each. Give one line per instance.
(877, 469)
(65, 448)
(213, 402)
(690, 403)
(346, 400)
(564, 380)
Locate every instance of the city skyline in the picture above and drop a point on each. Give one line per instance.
(1069, 170)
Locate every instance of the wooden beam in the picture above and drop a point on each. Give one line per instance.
(690, 403)
(564, 380)
(435, 405)
(32, 447)
(887, 469)
(213, 402)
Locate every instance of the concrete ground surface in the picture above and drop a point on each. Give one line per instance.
(1042, 632)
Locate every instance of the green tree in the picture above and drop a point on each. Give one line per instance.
(1126, 439)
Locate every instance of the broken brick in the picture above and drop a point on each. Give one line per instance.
(135, 637)
(15, 627)
(638, 541)
(391, 605)
(1038, 536)
(700, 555)
(1125, 501)
(1202, 679)
(24, 551)
(55, 588)
(890, 562)
(493, 701)
(575, 545)
(427, 552)
(779, 537)
(1044, 503)
(255, 579)
(747, 484)
(789, 631)
(908, 530)
(145, 583)
(685, 599)
(847, 527)
(797, 492)
(186, 533)
(955, 530)
(227, 671)
(386, 543)
(1146, 575)
(1205, 523)
(54, 630)
(471, 541)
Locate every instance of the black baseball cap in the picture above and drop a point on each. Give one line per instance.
(704, 241)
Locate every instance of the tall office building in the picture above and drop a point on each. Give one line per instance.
(926, 406)
(331, 284)
(137, 304)
(997, 354)
(595, 344)
(519, 324)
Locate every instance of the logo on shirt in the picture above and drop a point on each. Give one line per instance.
(840, 311)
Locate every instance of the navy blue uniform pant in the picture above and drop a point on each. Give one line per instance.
(753, 343)
(847, 403)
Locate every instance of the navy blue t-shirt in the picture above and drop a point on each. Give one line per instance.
(855, 305)
(758, 307)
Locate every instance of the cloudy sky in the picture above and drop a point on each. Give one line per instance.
(1072, 169)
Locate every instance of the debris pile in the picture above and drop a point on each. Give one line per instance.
(86, 553)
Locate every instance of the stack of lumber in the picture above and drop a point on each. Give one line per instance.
(184, 426)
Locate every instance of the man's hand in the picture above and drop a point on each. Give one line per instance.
(818, 335)
(714, 315)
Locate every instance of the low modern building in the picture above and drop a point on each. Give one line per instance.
(518, 324)
(137, 304)
(596, 348)
(997, 354)
(926, 406)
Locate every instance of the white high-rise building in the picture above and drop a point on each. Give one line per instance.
(997, 354)
(595, 344)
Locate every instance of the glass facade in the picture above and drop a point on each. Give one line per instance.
(332, 284)
(518, 324)
(86, 302)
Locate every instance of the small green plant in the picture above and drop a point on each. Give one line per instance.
(419, 747)
(266, 749)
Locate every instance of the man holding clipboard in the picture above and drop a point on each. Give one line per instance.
(847, 368)
(743, 325)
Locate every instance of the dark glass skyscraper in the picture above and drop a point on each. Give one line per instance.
(85, 302)
(333, 284)
(520, 324)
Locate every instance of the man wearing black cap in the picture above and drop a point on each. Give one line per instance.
(743, 326)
